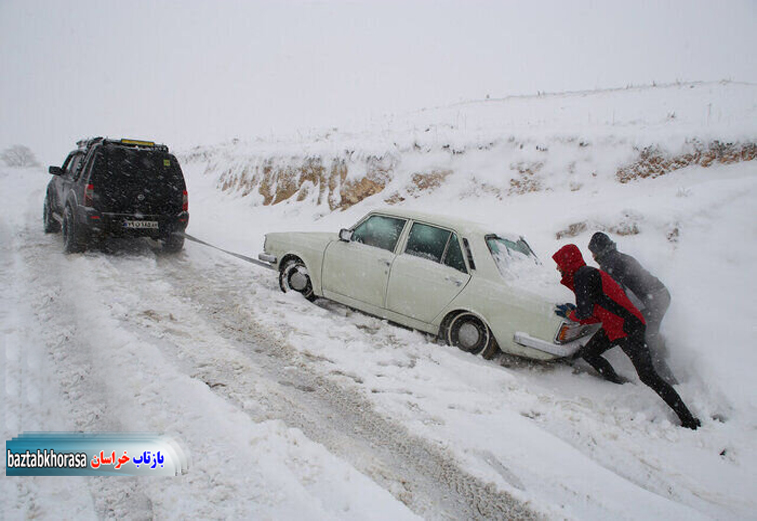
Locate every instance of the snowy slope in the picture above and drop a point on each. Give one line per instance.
(298, 410)
(559, 142)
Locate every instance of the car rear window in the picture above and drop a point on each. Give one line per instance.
(509, 252)
(124, 165)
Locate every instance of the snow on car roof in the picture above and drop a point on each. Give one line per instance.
(463, 226)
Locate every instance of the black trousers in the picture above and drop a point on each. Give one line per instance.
(635, 348)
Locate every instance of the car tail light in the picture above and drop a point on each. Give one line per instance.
(185, 201)
(89, 195)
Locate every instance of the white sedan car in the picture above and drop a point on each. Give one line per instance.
(444, 276)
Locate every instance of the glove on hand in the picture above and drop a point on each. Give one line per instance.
(564, 310)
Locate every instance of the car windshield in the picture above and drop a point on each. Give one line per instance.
(510, 254)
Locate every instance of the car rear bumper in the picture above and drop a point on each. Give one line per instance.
(558, 350)
(270, 259)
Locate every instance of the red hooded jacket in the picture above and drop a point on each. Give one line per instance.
(598, 297)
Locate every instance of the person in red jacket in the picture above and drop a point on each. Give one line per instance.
(599, 299)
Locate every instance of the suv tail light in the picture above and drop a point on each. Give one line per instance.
(185, 201)
(89, 195)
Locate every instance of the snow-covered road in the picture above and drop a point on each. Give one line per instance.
(293, 410)
(130, 339)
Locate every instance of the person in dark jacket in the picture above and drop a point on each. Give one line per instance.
(599, 299)
(652, 297)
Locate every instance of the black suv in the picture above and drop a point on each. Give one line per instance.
(117, 188)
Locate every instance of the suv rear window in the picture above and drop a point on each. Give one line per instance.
(148, 166)
(137, 180)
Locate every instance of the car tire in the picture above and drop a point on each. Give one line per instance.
(73, 239)
(49, 222)
(468, 333)
(294, 276)
(173, 243)
(491, 350)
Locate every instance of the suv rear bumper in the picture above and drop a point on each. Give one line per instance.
(101, 224)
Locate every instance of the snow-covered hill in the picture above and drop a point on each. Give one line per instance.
(496, 147)
(297, 410)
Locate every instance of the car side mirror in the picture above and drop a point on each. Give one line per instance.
(345, 235)
(55, 170)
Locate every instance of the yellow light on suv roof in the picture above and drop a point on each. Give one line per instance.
(137, 142)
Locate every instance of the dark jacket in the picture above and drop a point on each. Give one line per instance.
(598, 297)
(624, 269)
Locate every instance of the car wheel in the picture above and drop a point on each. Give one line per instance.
(51, 225)
(73, 241)
(491, 350)
(294, 276)
(468, 333)
(173, 243)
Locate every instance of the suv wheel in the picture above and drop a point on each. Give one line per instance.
(73, 241)
(173, 243)
(51, 225)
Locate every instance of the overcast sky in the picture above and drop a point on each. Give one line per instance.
(199, 72)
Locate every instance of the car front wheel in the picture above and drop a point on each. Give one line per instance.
(294, 276)
(468, 333)
(50, 224)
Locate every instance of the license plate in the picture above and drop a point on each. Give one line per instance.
(152, 225)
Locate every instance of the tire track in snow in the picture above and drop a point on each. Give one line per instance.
(293, 389)
(47, 278)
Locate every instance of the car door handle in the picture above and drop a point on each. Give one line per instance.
(456, 282)
(385, 262)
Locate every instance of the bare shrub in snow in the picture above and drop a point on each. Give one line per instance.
(628, 224)
(673, 234)
(19, 156)
(526, 180)
(572, 230)
(421, 183)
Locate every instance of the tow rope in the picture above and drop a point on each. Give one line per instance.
(237, 255)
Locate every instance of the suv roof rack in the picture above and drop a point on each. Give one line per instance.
(138, 143)
(85, 144)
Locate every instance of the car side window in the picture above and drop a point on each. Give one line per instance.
(95, 166)
(85, 166)
(427, 242)
(74, 166)
(454, 256)
(67, 162)
(379, 231)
